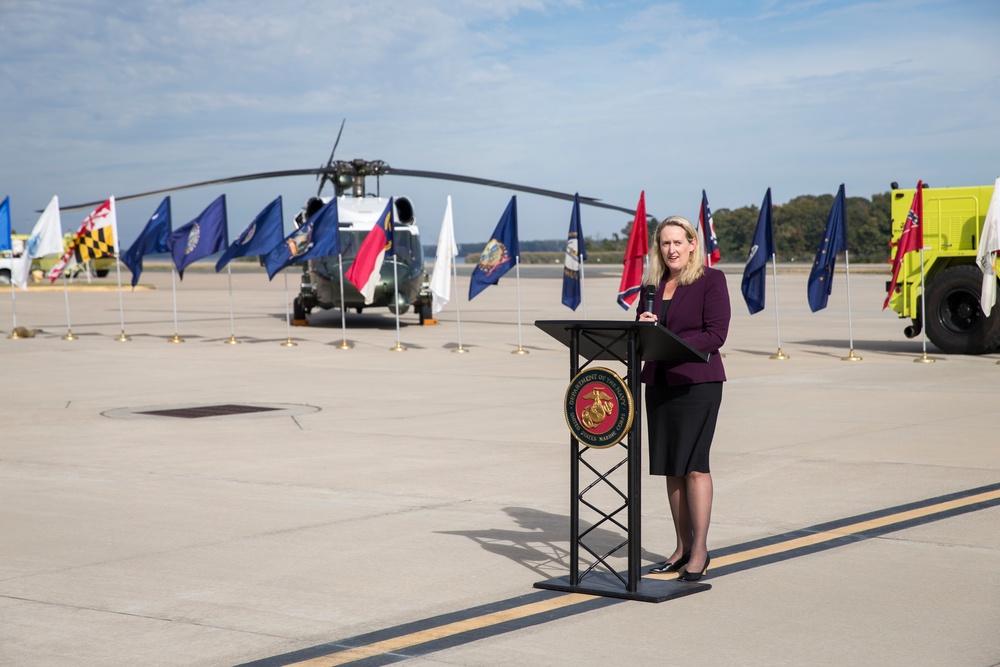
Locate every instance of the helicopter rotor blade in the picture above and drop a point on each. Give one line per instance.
(219, 181)
(377, 169)
(590, 201)
(322, 178)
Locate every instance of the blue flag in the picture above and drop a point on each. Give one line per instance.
(206, 234)
(151, 241)
(576, 253)
(761, 250)
(5, 225)
(500, 253)
(834, 241)
(317, 237)
(263, 234)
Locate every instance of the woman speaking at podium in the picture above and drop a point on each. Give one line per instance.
(683, 399)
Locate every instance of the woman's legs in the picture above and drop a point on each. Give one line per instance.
(690, 499)
(699, 502)
(677, 496)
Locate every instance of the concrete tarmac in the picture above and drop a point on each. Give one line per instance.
(384, 489)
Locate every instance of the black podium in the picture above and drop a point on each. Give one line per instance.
(630, 343)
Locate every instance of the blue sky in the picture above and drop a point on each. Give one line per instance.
(602, 98)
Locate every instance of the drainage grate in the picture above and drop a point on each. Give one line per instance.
(207, 411)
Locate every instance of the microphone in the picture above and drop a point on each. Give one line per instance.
(650, 295)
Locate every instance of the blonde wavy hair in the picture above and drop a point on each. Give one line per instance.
(657, 269)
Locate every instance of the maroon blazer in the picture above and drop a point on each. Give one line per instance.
(699, 314)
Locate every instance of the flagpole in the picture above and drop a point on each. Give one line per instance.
(69, 327)
(121, 304)
(850, 324)
(344, 345)
(583, 293)
(458, 314)
(923, 358)
(173, 288)
(13, 308)
(288, 318)
(517, 273)
(232, 321)
(395, 295)
(779, 355)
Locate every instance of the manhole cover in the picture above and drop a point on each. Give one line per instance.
(203, 410)
(207, 411)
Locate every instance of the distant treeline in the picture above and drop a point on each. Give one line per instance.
(798, 225)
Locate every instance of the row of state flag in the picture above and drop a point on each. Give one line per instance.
(208, 234)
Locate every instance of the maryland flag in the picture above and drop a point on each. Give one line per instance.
(96, 238)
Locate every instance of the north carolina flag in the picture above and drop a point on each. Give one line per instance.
(366, 270)
(712, 253)
(635, 253)
(97, 237)
(912, 238)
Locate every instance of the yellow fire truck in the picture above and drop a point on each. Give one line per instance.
(952, 225)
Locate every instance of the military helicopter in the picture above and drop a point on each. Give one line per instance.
(358, 211)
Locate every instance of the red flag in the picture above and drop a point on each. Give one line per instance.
(635, 253)
(707, 225)
(911, 239)
(366, 271)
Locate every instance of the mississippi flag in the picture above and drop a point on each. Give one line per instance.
(367, 267)
(635, 253)
(712, 254)
(911, 239)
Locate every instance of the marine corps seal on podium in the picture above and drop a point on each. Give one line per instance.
(598, 408)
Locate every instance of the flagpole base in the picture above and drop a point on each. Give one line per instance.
(779, 355)
(289, 343)
(851, 356)
(345, 345)
(519, 350)
(175, 339)
(462, 350)
(232, 340)
(924, 359)
(398, 347)
(69, 335)
(14, 335)
(122, 338)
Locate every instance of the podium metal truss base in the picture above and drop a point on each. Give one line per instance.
(606, 585)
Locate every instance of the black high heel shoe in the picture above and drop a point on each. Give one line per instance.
(672, 567)
(695, 576)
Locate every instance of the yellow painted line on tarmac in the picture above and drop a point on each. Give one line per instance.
(493, 619)
(855, 528)
(447, 630)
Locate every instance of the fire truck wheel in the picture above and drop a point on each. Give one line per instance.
(955, 321)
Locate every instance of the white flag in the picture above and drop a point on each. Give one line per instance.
(989, 243)
(45, 239)
(447, 251)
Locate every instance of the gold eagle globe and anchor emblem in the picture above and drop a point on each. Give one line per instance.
(598, 408)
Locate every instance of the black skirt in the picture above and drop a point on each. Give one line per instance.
(681, 424)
